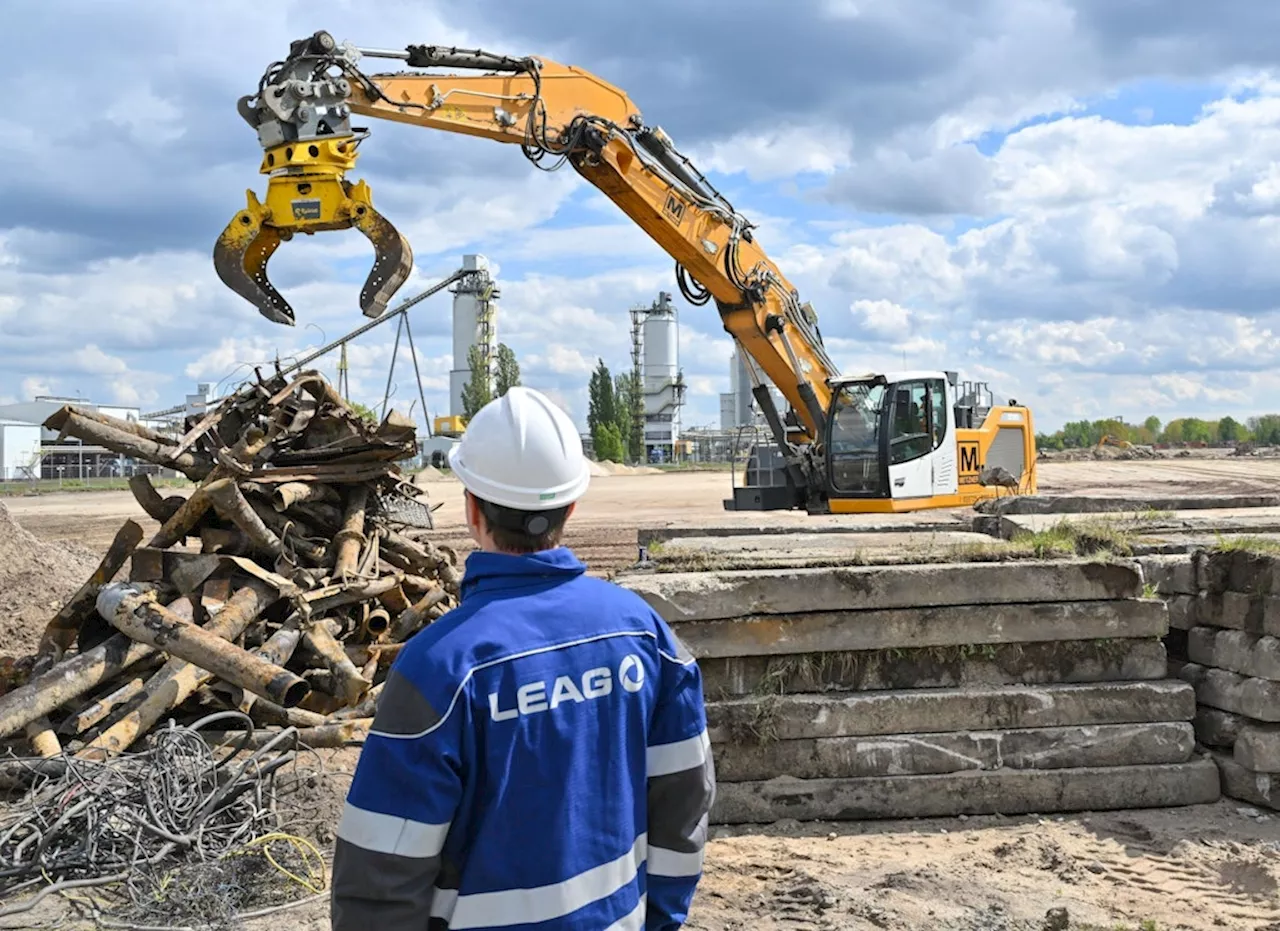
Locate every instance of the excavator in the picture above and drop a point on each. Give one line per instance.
(865, 443)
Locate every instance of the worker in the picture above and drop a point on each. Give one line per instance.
(539, 756)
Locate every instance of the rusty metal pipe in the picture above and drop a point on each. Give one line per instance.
(277, 649)
(43, 740)
(103, 708)
(178, 680)
(271, 713)
(119, 439)
(349, 685)
(290, 493)
(410, 622)
(332, 735)
(231, 505)
(366, 709)
(60, 634)
(148, 622)
(376, 623)
(158, 508)
(351, 539)
(395, 600)
(67, 680)
(185, 518)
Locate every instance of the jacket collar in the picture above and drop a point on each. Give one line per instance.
(491, 571)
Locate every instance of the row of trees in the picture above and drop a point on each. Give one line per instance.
(476, 393)
(1263, 431)
(615, 434)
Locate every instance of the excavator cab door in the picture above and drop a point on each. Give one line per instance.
(891, 440)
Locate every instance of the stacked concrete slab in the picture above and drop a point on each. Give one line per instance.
(911, 691)
(1233, 648)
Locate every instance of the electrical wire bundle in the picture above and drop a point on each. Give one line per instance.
(178, 831)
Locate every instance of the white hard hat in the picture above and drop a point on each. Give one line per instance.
(522, 452)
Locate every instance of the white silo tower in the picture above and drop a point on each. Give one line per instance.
(475, 305)
(663, 388)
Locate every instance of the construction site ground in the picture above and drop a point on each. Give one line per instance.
(1204, 867)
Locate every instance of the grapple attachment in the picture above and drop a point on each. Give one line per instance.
(312, 199)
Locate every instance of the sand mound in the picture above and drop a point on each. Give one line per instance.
(430, 474)
(35, 579)
(607, 467)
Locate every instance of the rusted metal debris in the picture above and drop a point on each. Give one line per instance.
(283, 586)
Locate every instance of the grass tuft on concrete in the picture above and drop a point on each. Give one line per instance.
(1099, 537)
(1259, 546)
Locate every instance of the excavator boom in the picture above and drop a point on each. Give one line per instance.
(865, 444)
(556, 113)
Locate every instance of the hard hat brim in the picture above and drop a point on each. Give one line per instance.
(513, 496)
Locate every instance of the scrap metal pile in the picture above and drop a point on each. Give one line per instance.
(282, 587)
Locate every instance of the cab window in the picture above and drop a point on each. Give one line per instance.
(910, 436)
(853, 448)
(938, 405)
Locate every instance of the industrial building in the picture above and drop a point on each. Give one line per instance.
(738, 406)
(475, 323)
(655, 337)
(29, 451)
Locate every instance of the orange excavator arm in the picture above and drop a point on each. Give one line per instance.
(556, 113)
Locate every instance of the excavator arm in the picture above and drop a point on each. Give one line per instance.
(555, 113)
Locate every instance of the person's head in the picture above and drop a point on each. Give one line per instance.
(520, 460)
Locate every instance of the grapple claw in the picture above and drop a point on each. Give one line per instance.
(393, 259)
(240, 258)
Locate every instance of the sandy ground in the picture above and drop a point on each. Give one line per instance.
(1195, 869)
(603, 532)
(1207, 867)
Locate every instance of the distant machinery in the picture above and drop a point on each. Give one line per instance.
(655, 346)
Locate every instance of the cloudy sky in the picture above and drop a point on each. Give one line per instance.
(1076, 200)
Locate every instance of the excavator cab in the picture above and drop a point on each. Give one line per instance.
(303, 123)
(911, 440)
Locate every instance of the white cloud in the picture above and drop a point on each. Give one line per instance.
(780, 152)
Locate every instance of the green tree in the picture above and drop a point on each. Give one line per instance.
(1049, 440)
(1152, 423)
(1265, 429)
(608, 442)
(601, 404)
(366, 412)
(1195, 430)
(476, 392)
(626, 395)
(508, 369)
(1231, 431)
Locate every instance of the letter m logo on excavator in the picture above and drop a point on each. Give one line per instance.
(969, 459)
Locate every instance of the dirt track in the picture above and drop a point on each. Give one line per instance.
(603, 532)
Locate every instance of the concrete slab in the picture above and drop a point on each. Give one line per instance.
(1259, 521)
(1239, 651)
(1254, 698)
(1064, 504)
(924, 754)
(1183, 611)
(1075, 661)
(868, 524)
(976, 708)
(690, 596)
(1258, 748)
(1261, 789)
(1253, 573)
(1006, 791)
(1171, 575)
(905, 628)
(813, 547)
(1217, 728)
